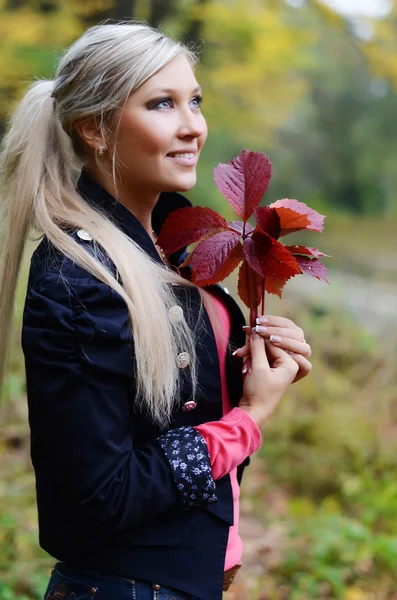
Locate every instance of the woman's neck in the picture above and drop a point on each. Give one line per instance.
(139, 202)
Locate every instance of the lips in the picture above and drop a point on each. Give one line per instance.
(187, 159)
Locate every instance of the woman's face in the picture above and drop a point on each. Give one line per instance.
(162, 131)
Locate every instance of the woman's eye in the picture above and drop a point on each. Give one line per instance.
(197, 100)
(164, 103)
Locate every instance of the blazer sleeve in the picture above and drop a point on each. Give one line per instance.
(230, 441)
(79, 370)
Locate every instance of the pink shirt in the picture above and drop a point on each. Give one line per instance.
(230, 440)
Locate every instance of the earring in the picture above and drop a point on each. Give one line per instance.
(101, 150)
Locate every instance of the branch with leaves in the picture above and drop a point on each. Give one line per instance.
(220, 247)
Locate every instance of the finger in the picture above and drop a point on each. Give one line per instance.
(247, 365)
(275, 321)
(283, 332)
(257, 347)
(279, 358)
(242, 352)
(302, 348)
(305, 366)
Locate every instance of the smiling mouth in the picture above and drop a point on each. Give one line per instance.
(184, 158)
(182, 154)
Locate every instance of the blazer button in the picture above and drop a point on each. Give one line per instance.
(93, 591)
(176, 314)
(156, 587)
(84, 235)
(188, 406)
(183, 360)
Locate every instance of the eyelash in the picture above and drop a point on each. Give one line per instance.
(198, 99)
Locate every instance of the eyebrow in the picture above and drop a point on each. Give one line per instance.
(171, 91)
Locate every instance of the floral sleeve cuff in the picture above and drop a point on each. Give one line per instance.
(187, 454)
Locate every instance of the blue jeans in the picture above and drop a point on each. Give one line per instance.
(73, 583)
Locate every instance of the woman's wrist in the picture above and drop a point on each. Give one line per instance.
(257, 414)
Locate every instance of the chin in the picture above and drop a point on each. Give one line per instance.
(183, 185)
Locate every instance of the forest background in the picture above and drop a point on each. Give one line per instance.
(316, 90)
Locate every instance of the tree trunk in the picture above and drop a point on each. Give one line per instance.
(161, 10)
(193, 31)
(14, 4)
(124, 9)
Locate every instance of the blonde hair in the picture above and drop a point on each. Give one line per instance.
(41, 160)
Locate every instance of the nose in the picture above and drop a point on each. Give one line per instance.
(192, 124)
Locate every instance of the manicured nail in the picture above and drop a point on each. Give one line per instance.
(261, 329)
(235, 352)
(255, 335)
(276, 339)
(262, 320)
(246, 327)
(244, 369)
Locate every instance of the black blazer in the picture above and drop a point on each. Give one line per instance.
(114, 493)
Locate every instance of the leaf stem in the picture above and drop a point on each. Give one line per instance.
(263, 296)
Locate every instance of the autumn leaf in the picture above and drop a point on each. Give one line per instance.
(295, 216)
(243, 181)
(188, 225)
(215, 258)
(306, 251)
(275, 286)
(268, 221)
(313, 267)
(250, 286)
(239, 227)
(267, 257)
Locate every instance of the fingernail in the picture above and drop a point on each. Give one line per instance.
(255, 335)
(244, 369)
(262, 320)
(235, 352)
(246, 327)
(261, 329)
(276, 339)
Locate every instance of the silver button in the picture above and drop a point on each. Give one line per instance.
(183, 360)
(84, 235)
(176, 314)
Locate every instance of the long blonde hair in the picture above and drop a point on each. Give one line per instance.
(40, 162)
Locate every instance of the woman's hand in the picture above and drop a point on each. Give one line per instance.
(285, 334)
(266, 381)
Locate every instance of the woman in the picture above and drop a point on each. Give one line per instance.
(140, 423)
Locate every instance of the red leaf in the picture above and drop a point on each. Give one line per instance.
(249, 286)
(268, 220)
(215, 258)
(243, 181)
(306, 251)
(290, 222)
(239, 227)
(274, 286)
(269, 258)
(187, 225)
(313, 267)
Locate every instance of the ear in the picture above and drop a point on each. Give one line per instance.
(89, 131)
